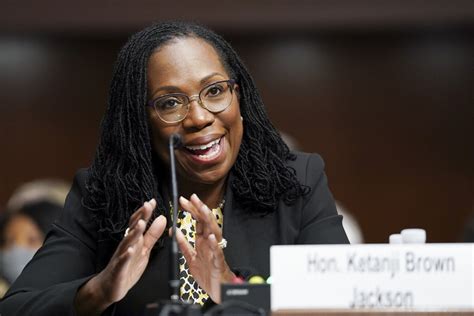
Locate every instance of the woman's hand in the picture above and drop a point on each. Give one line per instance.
(126, 265)
(206, 260)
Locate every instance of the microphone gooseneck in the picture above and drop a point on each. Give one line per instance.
(174, 143)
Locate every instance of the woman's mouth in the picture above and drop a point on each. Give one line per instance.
(207, 151)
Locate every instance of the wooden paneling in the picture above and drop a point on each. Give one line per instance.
(120, 16)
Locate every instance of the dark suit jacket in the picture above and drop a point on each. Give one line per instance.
(74, 251)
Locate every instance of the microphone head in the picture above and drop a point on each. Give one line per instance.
(175, 141)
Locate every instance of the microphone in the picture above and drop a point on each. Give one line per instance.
(173, 307)
(174, 143)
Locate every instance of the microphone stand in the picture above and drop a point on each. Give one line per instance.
(173, 307)
(174, 143)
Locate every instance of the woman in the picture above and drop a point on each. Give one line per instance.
(31, 211)
(22, 233)
(20, 238)
(176, 78)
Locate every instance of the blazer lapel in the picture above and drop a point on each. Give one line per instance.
(249, 236)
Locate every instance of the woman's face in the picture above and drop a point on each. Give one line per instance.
(187, 65)
(22, 231)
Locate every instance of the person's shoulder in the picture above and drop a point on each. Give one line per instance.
(307, 165)
(80, 178)
(308, 158)
(74, 212)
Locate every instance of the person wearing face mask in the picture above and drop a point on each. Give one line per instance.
(22, 233)
(20, 239)
(242, 189)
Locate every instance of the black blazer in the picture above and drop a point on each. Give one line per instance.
(74, 250)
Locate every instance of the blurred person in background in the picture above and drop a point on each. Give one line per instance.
(350, 224)
(30, 213)
(51, 190)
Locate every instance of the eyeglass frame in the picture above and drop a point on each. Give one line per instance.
(193, 97)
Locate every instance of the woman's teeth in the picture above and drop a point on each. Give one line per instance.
(203, 147)
(206, 151)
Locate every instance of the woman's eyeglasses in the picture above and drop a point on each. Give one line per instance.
(173, 107)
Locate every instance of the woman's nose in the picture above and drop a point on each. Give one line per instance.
(198, 117)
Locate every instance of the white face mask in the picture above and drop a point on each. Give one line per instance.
(13, 260)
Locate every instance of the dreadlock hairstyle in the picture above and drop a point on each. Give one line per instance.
(123, 174)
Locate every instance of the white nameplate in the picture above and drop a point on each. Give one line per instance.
(425, 276)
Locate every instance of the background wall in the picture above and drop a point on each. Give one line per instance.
(383, 90)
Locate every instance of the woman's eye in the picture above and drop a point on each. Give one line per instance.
(214, 90)
(168, 104)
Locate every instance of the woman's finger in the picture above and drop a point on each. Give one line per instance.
(199, 229)
(147, 210)
(207, 218)
(135, 217)
(195, 213)
(203, 211)
(144, 212)
(190, 208)
(206, 222)
(188, 251)
(132, 236)
(154, 232)
(127, 257)
(219, 259)
(199, 210)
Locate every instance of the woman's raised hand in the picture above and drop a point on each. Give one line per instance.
(206, 259)
(126, 265)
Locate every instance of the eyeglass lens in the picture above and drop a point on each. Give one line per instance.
(174, 107)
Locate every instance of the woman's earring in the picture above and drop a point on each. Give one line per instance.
(241, 118)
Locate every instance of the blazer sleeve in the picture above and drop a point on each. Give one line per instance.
(320, 223)
(49, 282)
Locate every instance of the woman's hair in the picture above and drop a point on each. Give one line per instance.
(124, 173)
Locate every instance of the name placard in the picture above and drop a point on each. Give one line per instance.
(424, 276)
